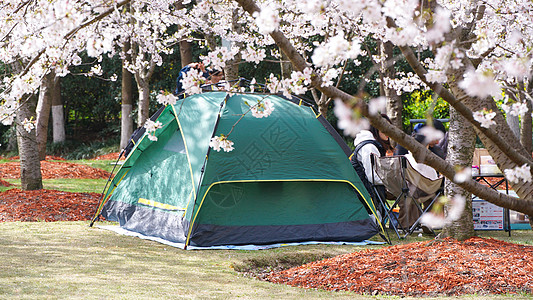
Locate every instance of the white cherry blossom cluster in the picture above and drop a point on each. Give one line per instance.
(348, 122)
(437, 76)
(296, 84)
(336, 50)
(519, 173)
(221, 143)
(431, 133)
(484, 117)
(463, 175)
(480, 84)
(166, 98)
(448, 56)
(217, 59)
(192, 82)
(267, 19)
(436, 218)
(330, 74)
(377, 105)
(441, 25)
(515, 109)
(253, 55)
(151, 127)
(405, 83)
(29, 124)
(262, 109)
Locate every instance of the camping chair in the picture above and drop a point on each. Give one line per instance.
(406, 181)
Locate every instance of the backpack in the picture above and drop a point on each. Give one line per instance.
(360, 169)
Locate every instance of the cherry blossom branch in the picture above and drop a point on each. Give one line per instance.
(420, 152)
(504, 146)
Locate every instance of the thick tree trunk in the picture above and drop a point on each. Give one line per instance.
(58, 116)
(460, 152)
(185, 46)
(232, 66)
(185, 53)
(526, 130)
(30, 165)
(394, 102)
(43, 112)
(126, 126)
(144, 102)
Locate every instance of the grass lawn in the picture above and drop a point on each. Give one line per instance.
(63, 260)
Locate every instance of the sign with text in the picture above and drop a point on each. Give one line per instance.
(487, 216)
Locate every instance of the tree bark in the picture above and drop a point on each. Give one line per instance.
(460, 152)
(43, 112)
(185, 46)
(126, 121)
(526, 130)
(394, 102)
(142, 77)
(232, 66)
(58, 117)
(144, 102)
(514, 124)
(286, 67)
(185, 53)
(30, 165)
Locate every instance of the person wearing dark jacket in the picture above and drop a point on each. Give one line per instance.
(439, 147)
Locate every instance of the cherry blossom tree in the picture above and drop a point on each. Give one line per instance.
(482, 51)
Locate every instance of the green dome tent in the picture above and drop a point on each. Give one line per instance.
(288, 179)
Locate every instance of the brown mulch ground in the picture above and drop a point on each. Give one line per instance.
(51, 170)
(46, 205)
(442, 268)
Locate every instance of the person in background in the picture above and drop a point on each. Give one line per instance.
(213, 78)
(437, 146)
(367, 143)
(198, 66)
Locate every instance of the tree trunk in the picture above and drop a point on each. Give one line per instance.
(460, 152)
(58, 117)
(144, 102)
(43, 112)
(394, 102)
(185, 53)
(211, 41)
(126, 128)
(526, 131)
(30, 165)
(514, 124)
(232, 66)
(286, 66)
(185, 46)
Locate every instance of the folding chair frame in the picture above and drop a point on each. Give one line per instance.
(388, 208)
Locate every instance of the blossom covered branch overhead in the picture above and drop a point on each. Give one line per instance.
(42, 35)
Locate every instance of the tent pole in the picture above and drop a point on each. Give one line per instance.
(203, 169)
